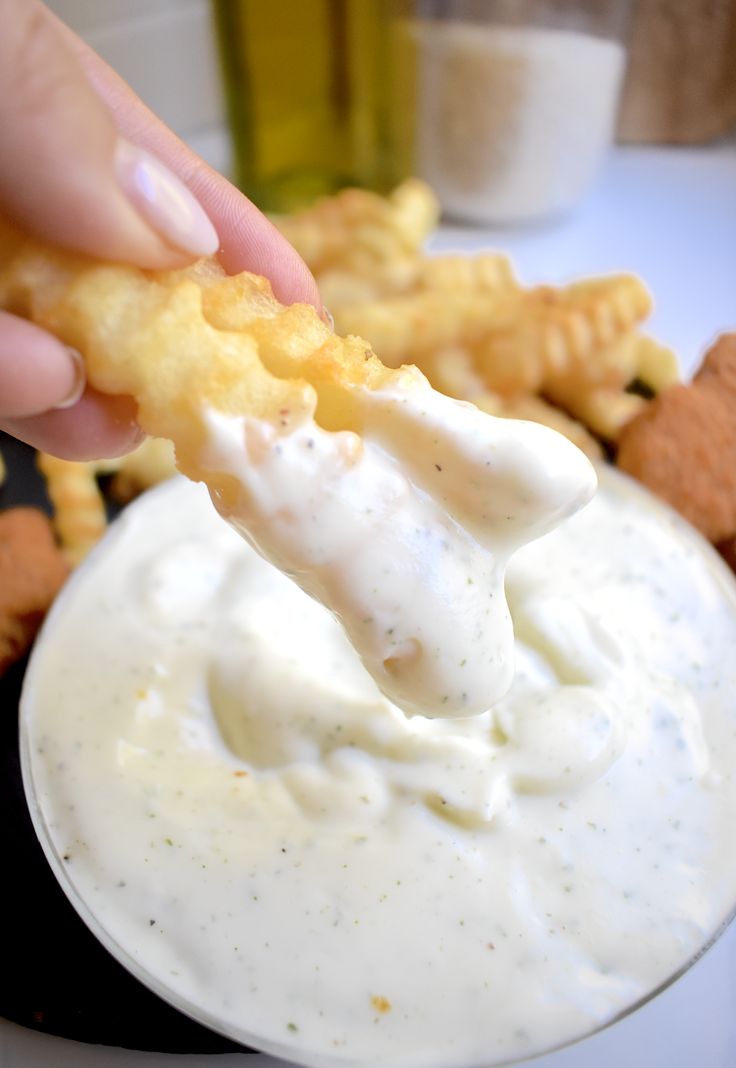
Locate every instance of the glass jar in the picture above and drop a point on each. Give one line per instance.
(516, 102)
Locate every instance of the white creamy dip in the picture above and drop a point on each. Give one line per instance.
(268, 842)
(405, 530)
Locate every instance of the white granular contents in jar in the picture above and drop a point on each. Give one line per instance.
(513, 122)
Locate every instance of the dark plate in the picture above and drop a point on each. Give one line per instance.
(55, 975)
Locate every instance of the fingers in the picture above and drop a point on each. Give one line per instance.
(85, 165)
(248, 241)
(95, 427)
(66, 175)
(43, 399)
(37, 372)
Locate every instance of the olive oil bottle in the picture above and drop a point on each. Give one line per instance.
(320, 96)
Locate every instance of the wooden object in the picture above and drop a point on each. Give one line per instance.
(681, 82)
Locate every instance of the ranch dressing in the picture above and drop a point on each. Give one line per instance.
(271, 844)
(404, 532)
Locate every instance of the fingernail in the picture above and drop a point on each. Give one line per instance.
(79, 383)
(327, 318)
(164, 201)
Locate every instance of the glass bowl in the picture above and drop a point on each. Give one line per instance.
(179, 971)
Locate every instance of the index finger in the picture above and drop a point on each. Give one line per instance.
(249, 241)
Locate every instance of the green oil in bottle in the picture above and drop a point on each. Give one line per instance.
(320, 95)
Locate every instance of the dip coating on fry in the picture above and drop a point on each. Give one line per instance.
(394, 505)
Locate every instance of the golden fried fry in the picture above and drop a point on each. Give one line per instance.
(363, 235)
(464, 320)
(185, 342)
(490, 403)
(488, 272)
(451, 304)
(577, 335)
(410, 328)
(519, 339)
(605, 411)
(656, 365)
(452, 371)
(80, 518)
(560, 342)
(579, 345)
(79, 509)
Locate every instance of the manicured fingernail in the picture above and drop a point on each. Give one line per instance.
(164, 201)
(327, 318)
(79, 383)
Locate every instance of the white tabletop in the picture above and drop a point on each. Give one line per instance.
(670, 216)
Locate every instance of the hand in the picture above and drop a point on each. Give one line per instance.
(85, 165)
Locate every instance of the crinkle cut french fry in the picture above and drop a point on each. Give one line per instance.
(544, 341)
(656, 365)
(366, 235)
(79, 517)
(184, 342)
(605, 411)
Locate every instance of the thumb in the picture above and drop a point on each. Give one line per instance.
(66, 175)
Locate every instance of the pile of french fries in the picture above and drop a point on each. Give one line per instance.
(572, 357)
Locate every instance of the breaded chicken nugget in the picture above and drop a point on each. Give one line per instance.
(32, 569)
(683, 445)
